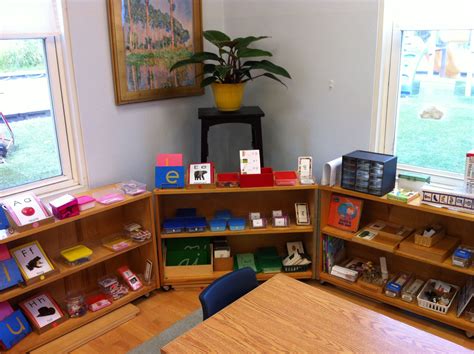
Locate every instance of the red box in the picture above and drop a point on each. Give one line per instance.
(285, 178)
(230, 179)
(264, 179)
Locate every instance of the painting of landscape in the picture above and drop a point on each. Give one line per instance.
(148, 37)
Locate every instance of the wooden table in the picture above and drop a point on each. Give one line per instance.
(284, 314)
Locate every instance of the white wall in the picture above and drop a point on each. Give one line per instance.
(316, 41)
(121, 142)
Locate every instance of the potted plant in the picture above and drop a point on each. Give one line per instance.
(231, 68)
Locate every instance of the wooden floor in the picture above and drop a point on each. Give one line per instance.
(162, 309)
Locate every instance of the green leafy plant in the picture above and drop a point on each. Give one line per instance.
(232, 64)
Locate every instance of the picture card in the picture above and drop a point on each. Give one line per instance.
(32, 260)
(302, 214)
(295, 247)
(41, 310)
(200, 173)
(250, 162)
(305, 166)
(25, 209)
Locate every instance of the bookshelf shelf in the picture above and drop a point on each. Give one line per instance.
(240, 201)
(88, 228)
(414, 215)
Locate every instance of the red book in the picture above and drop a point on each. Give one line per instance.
(345, 212)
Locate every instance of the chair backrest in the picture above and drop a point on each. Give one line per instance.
(226, 290)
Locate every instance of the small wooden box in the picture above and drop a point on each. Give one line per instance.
(429, 241)
(189, 270)
(223, 264)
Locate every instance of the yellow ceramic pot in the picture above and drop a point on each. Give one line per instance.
(228, 97)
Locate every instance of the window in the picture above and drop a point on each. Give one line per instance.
(37, 130)
(427, 115)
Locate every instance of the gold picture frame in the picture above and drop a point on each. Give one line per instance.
(143, 48)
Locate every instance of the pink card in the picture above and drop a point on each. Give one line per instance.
(169, 160)
(5, 310)
(4, 253)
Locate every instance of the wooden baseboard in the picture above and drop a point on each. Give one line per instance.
(90, 331)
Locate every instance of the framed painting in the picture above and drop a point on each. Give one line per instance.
(146, 38)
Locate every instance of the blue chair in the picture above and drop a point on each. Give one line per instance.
(225, 290)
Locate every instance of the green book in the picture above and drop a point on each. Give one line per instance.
(268, 260)
(245, 260)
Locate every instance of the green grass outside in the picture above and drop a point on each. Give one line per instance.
(34, 156)
(438, 144)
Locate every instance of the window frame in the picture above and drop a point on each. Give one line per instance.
(386, 94)
(66, 114)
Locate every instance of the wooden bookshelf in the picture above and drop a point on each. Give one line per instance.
(206, 279)
(34, 340)
(240, 201)
(89, 229)
(414, 215)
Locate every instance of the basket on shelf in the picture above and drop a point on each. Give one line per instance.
(427, 241)
(296, 268)
(434, 306)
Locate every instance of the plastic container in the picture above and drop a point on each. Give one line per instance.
(394, 287)
(236, 224)
(196, 224)
(76, 255)
(133, 187)
(85, 202)
(413, 181)
(280, 221)
(173, 226)
(462, 256)
(223, 214)
(259, 223)
(422, 302)
(285, 178)
(411, 290)
(109, 196)
(76, 304)
(218, 224)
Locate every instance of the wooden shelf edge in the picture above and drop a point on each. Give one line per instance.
(416, 205)
(34, 340)
(99, 208)
(449, 318)
(247, 232)
(158, 191)
(446, 264)
(207, 279)
(67, 271)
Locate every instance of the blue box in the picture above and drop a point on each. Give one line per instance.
(197, 224)
(236, 224)
(218, 224)
(169, 177)
(9, 274)
(223, 214)
(13, 329)
(173, 226)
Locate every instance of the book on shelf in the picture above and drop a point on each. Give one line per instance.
(345, 212)
(268, 260)
(243, 260)
(403, 195)
(333, 252)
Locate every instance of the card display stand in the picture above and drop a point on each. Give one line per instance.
(239, 201)
(87, 228)
(406, 256)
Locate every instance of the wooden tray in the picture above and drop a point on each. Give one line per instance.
(437, 253)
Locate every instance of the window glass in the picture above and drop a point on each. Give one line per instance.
(28, 141)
